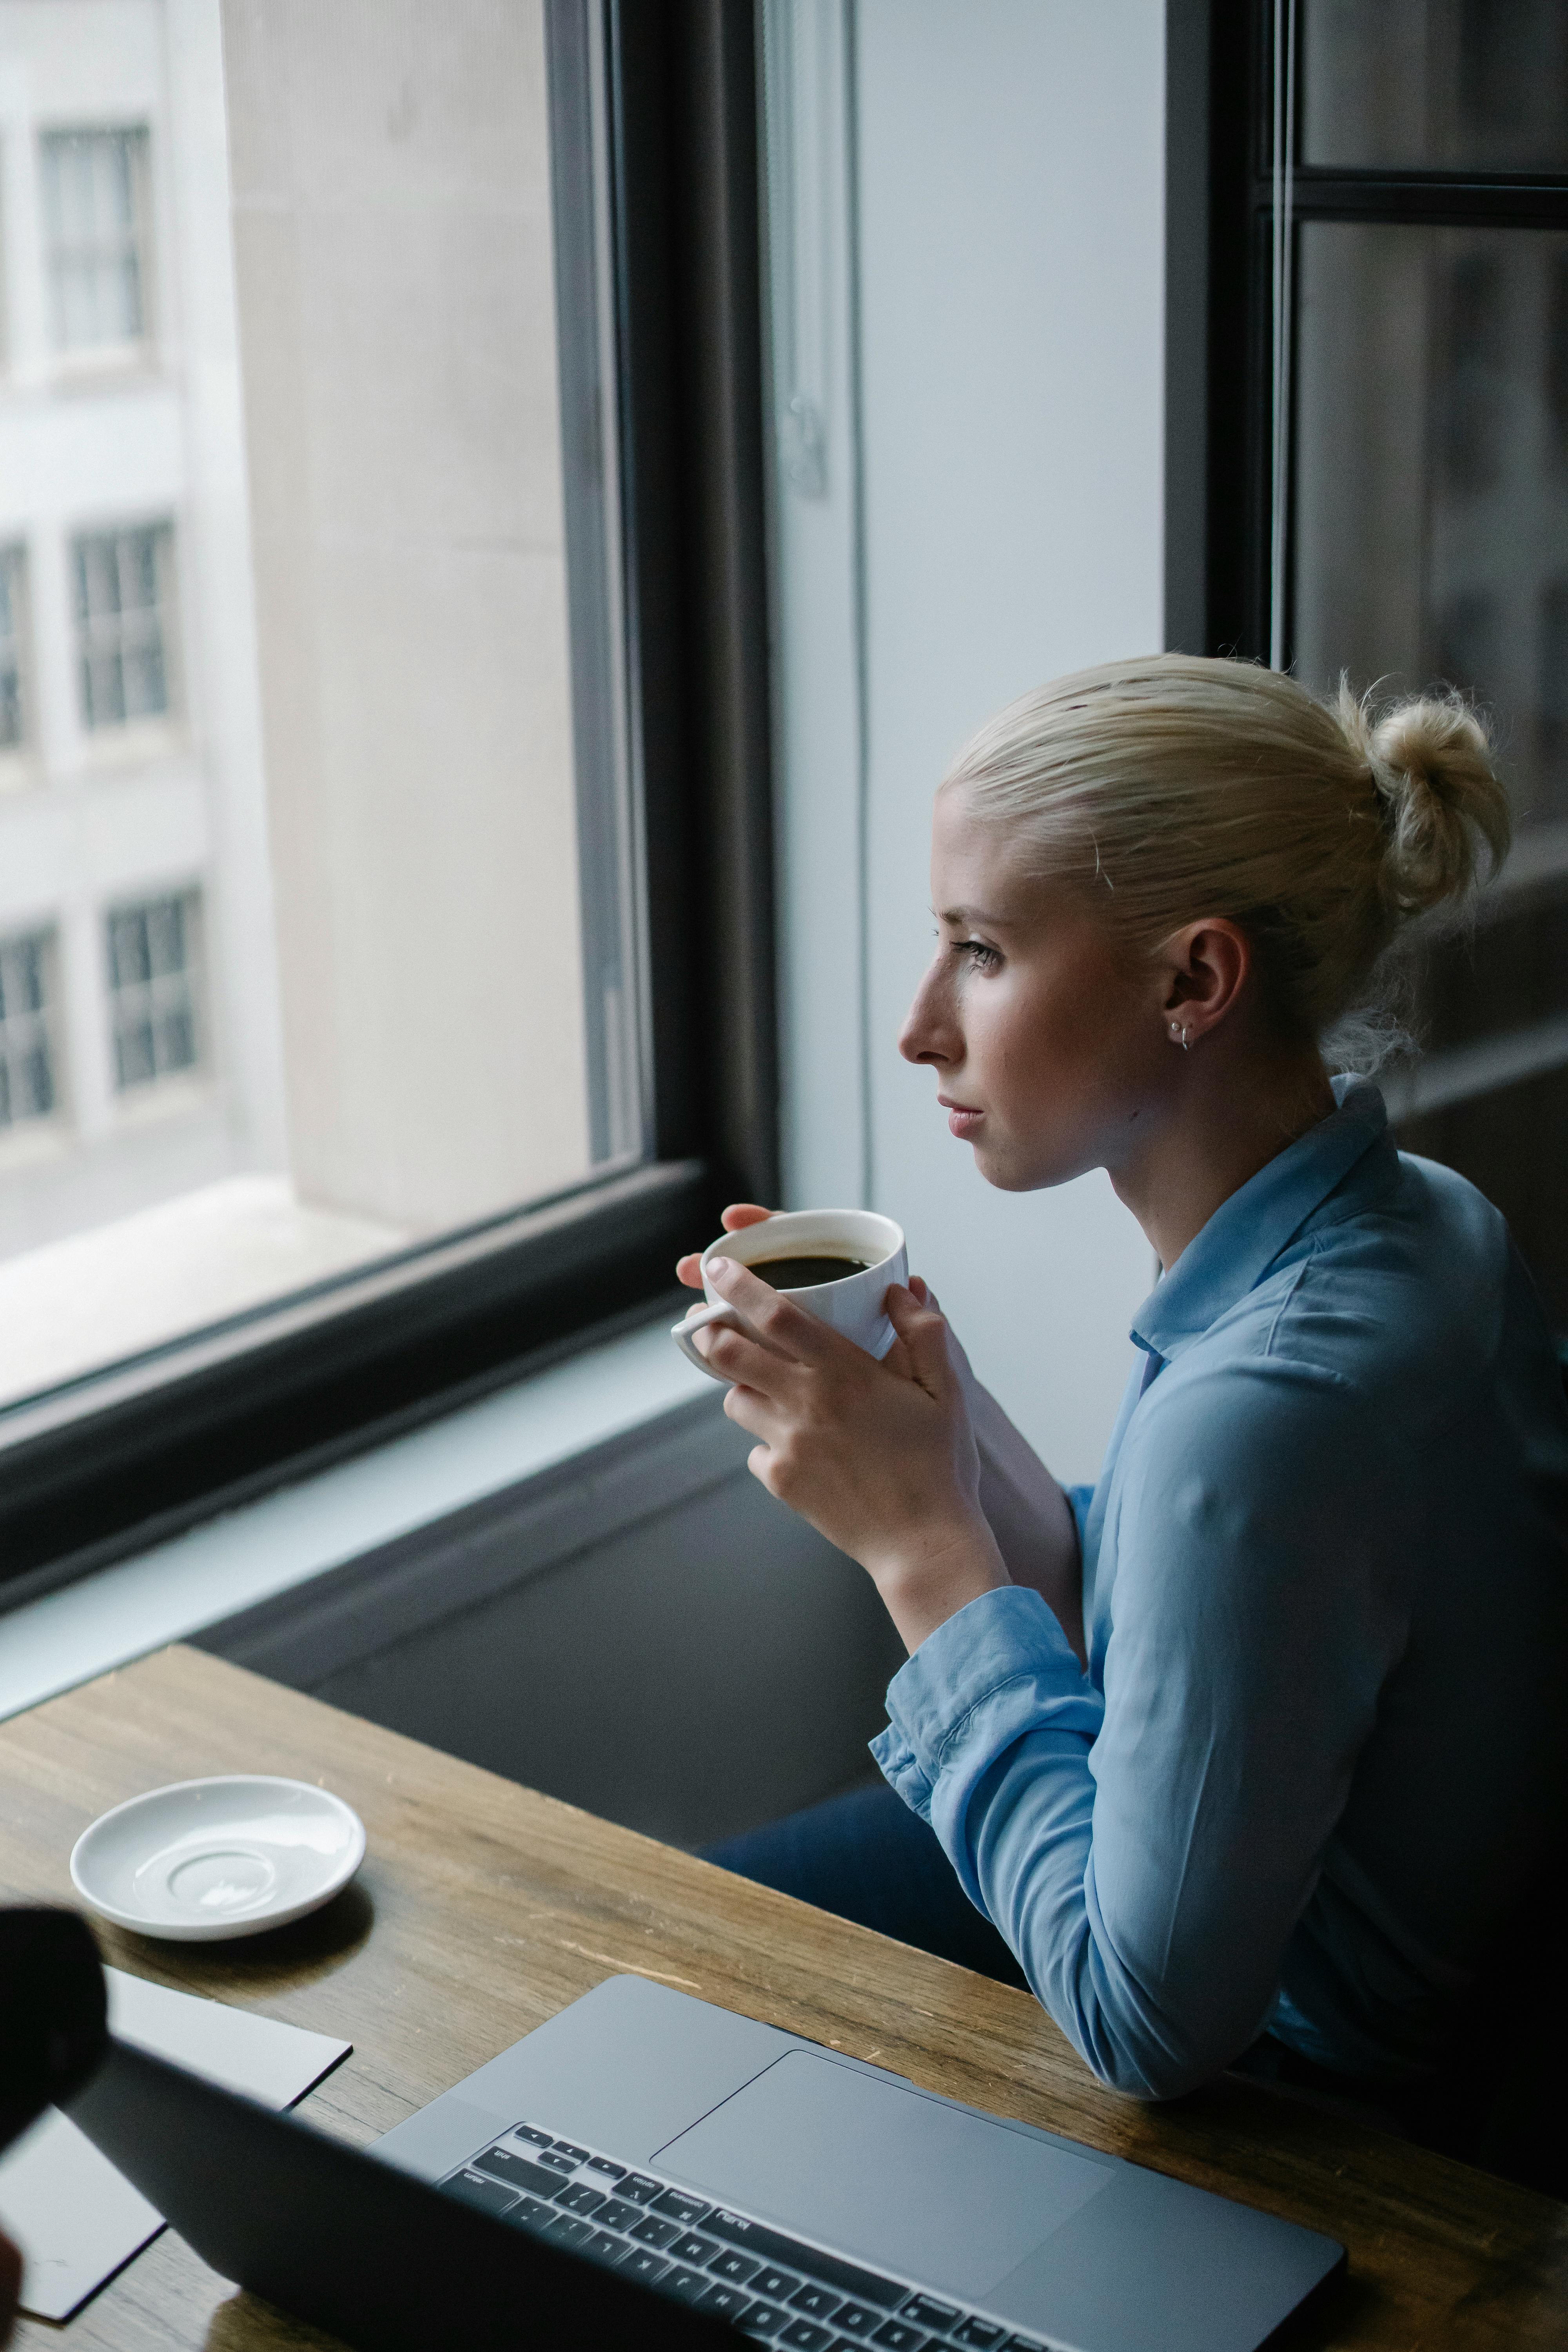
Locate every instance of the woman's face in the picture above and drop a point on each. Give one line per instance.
(1050, 1043)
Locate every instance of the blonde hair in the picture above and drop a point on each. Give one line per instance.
(1174, 787)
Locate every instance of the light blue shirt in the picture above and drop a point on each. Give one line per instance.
(1325, 1575)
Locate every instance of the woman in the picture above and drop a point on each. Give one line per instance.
(1259, 1737)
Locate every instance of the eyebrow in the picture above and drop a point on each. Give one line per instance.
(961, 915)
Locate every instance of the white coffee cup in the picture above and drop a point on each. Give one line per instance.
(853, 1306)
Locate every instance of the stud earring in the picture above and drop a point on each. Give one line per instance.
(1179, 1036)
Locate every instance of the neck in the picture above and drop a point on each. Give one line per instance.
(1229, 1113)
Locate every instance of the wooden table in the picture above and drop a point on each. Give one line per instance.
(483, 1909)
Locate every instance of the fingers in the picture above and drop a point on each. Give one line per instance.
(735, 1219)
(923, 1336)
(738, 1356)
(782, 1326)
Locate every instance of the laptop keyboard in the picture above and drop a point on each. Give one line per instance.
(772, 2287)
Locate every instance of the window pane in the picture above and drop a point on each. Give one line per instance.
(1431, 547)
(1431, 529)
(122, 621)
(27, 1048)
(322, 951)
(1436, 85)
(1431, 543)
(12, 728)
(95, 229)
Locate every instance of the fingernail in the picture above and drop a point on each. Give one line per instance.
(715, 1268)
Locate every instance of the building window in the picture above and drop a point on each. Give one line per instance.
(153, 987)
(13, 720)
(28, 1088)
(94, 222)
(121, 604)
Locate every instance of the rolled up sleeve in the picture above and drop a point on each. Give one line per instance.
(1146, 1850)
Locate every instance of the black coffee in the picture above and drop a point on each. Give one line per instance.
(805, 1273)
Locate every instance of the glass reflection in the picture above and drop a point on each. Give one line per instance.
(1436, 85)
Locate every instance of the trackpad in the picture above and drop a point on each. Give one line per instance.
(884, 2173)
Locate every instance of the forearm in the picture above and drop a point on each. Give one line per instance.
(991, 1726)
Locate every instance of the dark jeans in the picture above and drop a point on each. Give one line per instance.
(867, 1857)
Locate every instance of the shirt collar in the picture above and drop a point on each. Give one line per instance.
(1227, 1257)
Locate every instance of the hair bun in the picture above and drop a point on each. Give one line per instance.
(1431, 763)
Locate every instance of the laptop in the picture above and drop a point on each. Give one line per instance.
(646, 2163)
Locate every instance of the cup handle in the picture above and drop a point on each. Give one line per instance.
(697, 1320)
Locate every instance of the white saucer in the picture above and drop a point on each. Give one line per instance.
(206, 1859)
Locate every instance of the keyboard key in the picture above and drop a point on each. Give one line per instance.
(644, 2265)
(980, 2334)
(739, 2269)
(925, 2311)
(816, 2302)
(765, 2320)
(530, 2214)
(557, 2160)
(491, 2196)
(1025, 2343)
(566, 2229)
(857, 2318)
(724, 2302)
(577, 2154)
(651, 2232)
(831, 2269)
(602, 2246)
(577, 2196)
(899, 2338)
(805, 2335)
(529, 2132)
(685, 2285)
(517, 2171)
(601, 2164)
(619, 2214)
(640, 2189)
(679, 2206)
(694, 2249)
(777, 2285)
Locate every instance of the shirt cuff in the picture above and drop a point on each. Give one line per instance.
(1001, 1666)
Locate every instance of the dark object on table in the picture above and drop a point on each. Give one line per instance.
(55, 2011)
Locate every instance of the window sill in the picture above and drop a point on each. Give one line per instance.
(281, 1542)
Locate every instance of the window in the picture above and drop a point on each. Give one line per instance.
(94, 210)
(28, 1087)
(122, 598)
(152, 990)
(1382, 214)
(13, 717)
(468, 624)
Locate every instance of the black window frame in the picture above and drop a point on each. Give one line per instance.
(114, 1461)
(1219, 199)
(1220, 457)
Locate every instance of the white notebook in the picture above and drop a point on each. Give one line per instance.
(75, 2218)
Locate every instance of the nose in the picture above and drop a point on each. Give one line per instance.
(927, 1033)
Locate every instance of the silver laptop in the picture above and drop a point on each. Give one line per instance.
(822, 2205)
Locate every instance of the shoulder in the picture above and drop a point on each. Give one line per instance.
(1402, 1298)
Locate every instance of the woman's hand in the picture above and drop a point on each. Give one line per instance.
(738, 1214)
(880, 1457)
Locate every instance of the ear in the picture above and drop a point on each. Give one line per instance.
(1205, 967)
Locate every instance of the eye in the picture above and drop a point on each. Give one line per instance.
(981, 957)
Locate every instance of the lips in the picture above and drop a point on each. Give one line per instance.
(962, 1118)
